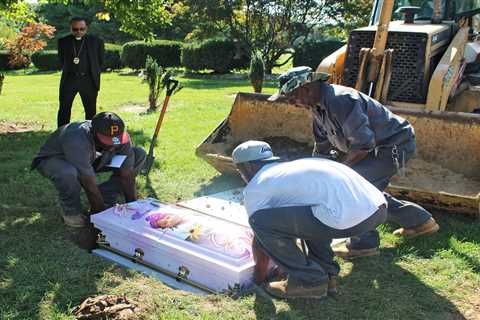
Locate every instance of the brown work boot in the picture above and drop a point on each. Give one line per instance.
(293, 289)
(344, 251)
(424, 229)
(76, 221)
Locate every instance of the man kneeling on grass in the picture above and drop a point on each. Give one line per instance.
(76, 152)
(312, 199)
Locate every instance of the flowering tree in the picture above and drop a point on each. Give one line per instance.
(29, 40)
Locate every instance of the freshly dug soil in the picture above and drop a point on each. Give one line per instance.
(286, 148)
(106, 307)
(421, 174)
(12, 127)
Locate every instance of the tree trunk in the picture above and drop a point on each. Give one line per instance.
(257, 85)
(153, 102)
(268, 67)
(2, 77)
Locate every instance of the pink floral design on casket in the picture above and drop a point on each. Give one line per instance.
(221, 236)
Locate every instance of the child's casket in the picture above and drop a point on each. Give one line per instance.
(202, 249)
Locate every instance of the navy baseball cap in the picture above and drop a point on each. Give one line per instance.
(109, 129)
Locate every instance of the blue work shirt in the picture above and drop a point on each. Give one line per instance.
(347, 120)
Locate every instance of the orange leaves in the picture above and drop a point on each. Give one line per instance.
(28, 41)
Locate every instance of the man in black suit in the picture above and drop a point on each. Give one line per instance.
(81, 56)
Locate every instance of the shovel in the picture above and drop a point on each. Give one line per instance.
(171, 86)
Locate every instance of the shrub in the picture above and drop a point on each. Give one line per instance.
(46, 60)
(153, 77)
(311, 53)
(166, 53)
(216, 54)
(257, 72)
(112, 59)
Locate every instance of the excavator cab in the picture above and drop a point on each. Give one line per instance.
(419, 59)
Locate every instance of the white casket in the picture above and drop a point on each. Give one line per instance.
(204, 250)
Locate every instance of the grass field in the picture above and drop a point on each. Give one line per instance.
(43, 275)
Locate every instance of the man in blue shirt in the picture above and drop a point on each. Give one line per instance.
(375, 142)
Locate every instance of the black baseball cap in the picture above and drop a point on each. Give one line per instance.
(109, 129)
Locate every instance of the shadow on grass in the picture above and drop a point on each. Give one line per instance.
(376, 288)
(379, 288)
(219, 183)
(41, 271)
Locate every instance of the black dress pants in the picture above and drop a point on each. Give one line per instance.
(88, 92)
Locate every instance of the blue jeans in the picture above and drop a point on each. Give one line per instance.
(277, 230)
(379, 169)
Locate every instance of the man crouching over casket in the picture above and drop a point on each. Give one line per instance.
(312, 199)
(74, 154)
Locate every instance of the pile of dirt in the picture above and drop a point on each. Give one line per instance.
(421, 174)
(12, 127)
(106, 307)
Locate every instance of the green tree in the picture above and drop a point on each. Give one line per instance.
(140, 17)
(13, 18)
(266, 26)
(59, 15)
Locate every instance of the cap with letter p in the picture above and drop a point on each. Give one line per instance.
(109, 129)
(253, 151)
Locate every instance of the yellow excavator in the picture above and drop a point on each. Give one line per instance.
(422, 60)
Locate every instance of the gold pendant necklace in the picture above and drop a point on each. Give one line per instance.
(76, 59)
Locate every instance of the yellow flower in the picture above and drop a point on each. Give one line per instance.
(195, 232)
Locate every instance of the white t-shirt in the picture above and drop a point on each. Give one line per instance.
(340, 197)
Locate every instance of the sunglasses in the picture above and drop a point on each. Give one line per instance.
(78, 29)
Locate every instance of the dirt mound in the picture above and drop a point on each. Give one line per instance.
(12, 127)
(431, 176)
(107, 307)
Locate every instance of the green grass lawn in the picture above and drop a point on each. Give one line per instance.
(43, 275)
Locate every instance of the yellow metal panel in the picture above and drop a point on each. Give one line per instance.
(446, 73)
(334, 64)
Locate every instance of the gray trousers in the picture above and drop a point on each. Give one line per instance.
(379, 169)
(64, 177)
(278, 229)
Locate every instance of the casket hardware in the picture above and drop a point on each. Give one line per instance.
(182, 269)
(101, 239)
(183, 273)
(138, 255)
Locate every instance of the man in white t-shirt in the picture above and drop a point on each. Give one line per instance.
(312, 199)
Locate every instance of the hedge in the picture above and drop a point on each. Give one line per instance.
(216, 54)
(311, 53)
(112, 59)
(4, 60)
(46, 60)
(166, 53)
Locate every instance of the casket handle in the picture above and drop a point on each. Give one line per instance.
(102, 239)
(138, 255)
(182, 274)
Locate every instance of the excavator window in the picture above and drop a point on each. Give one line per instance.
(466, 8)
(425, 12)
(451, 9)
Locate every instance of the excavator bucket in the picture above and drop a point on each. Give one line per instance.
(444, 174)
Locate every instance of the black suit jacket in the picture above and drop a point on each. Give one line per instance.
(95, 50)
